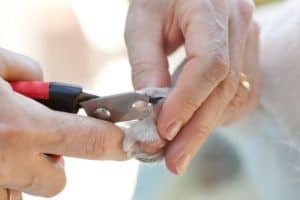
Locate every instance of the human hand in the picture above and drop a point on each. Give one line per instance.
(221, 42)
(29, 131)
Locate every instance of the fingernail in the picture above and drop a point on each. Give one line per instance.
(182, 164)
(172, 130)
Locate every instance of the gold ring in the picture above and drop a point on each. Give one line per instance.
(245, 81)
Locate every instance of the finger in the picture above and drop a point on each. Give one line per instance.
(207, 65)
(4, 194)
(239, 26)
(15, 66)
(144, 42)
(9, 194)
(14, 195)
(251, 66)
(246, 99)
(47, 178)
(186, 144)
(79, 136)
(38, 175)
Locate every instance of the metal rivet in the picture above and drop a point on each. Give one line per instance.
(139, 104)
(102, 113)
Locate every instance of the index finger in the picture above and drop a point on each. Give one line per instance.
(81, 137)
(206, 37)
(144, 42)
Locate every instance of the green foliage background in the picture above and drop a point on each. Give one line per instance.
(261, 2)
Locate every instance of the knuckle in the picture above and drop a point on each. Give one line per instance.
(218, 70)
(193, 13)
(97, 145)
(52, 139)
(140, 69)
(57, 137)
(188, 107)
(15, 137)
(201, 132)
(8, 134)
(229, 87)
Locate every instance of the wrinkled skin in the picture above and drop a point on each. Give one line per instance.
(221, 40)
(29, 130)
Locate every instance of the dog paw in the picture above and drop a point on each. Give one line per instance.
(144, 130)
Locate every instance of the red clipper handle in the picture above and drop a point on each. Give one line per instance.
(32, 89)
(57, 96)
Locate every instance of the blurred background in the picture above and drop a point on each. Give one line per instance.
(79, 41)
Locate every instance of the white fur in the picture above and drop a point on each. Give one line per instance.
(144, 130)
